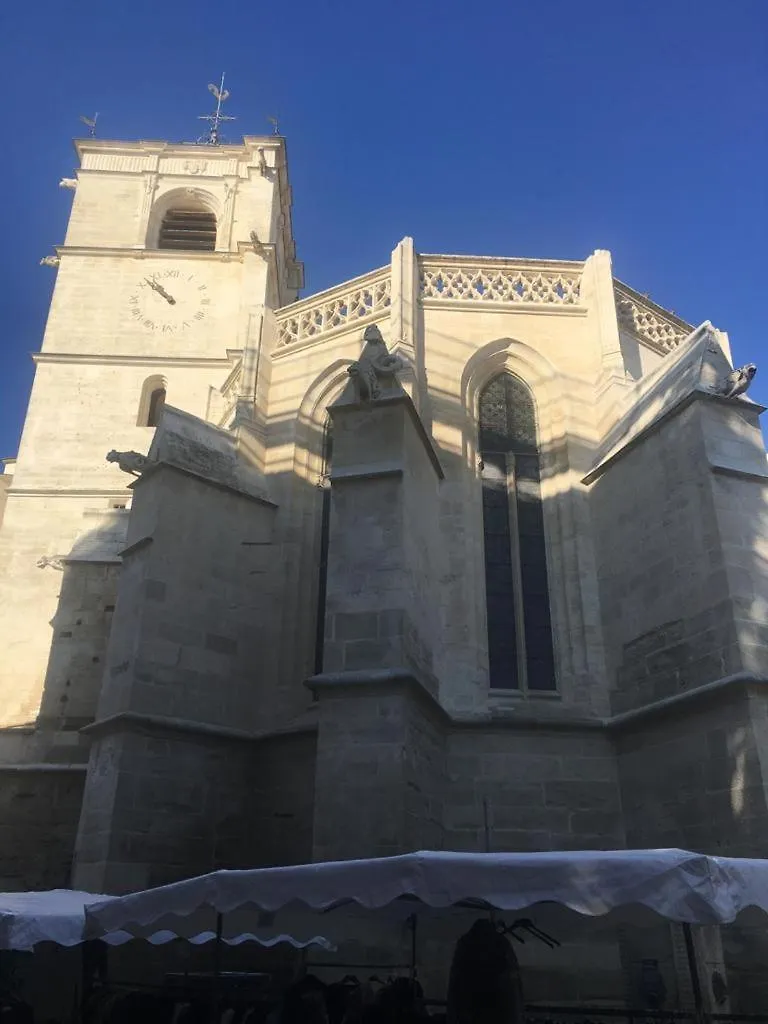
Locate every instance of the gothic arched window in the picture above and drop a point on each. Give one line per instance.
(520, 650)
(325, 524)
(188, 227)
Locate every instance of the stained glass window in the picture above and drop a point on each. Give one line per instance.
(520, 649)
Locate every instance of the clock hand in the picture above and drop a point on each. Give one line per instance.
(168, 298)
(160, 290)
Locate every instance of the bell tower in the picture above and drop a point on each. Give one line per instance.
(174, 257)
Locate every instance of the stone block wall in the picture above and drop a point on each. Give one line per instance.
(380, 769)
(383, 549)
(5, 483)
(191, 618)
(168, 803)
(693, 778)
(665, 601)
(282, 801)
(81, 628)
(741, 509)
(160, 806)
(545, 790)
(39, 811)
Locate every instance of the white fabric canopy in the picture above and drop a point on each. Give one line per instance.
(27, 918)
(674, 884)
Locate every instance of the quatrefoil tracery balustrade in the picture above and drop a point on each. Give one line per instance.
(348, 308)
(503, 285)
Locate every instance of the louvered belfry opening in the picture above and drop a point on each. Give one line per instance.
(190, 229)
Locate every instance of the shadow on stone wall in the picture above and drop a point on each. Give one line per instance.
(43, 763)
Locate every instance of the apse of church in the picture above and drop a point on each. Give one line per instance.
(471, 545)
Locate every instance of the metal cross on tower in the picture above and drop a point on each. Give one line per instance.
(212, 137)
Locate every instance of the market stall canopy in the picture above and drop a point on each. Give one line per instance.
(673, 884)
(27, 918)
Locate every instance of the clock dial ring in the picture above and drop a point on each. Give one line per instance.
(169, 301)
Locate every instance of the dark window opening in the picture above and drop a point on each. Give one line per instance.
(520, 651)
(156, 405)
(193, 230)
(325, 524)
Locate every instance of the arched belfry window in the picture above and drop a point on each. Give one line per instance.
(190, 227)
(152, 402)
(325, 525)
(520, 650)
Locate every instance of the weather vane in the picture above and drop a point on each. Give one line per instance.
(212, 136)
(91, 123)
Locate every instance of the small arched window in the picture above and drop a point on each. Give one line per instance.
(156, 403)
(520, 652)
(189, 227)
(152, 402)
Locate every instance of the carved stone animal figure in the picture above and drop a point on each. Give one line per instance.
(129, 462)
(484, 985)
(375, 370)
(738, 381)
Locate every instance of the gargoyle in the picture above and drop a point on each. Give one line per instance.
(129, 462)
(737, 382)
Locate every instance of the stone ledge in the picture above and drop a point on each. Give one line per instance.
(744, 474)
(138, 545)
(110, 359)
(656, 424)
(137, 722)
(68, 492)
(140, 253)
(556, 721)
(351, 473)
(376, 680)
(500, 306)
(669, 705)
(186, 471)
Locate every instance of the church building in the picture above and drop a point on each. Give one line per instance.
(464, 553)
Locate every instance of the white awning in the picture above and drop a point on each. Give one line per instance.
(58, 915)
(673, 884)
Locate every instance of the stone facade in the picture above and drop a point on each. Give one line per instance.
(214, 661)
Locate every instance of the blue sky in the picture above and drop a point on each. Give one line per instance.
(544, 129)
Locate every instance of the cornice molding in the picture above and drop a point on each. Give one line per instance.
(480, 305)
(68, 492)
(161, 147)
(130, 360)
(140, 253)
(452, 259)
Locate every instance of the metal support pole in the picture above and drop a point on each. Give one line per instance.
(413, 922)
(690, 949)
(216, 988)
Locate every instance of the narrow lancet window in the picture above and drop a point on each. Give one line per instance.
(325, 524)
(520, 649)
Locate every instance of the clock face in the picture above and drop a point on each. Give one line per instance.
(169, 301)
